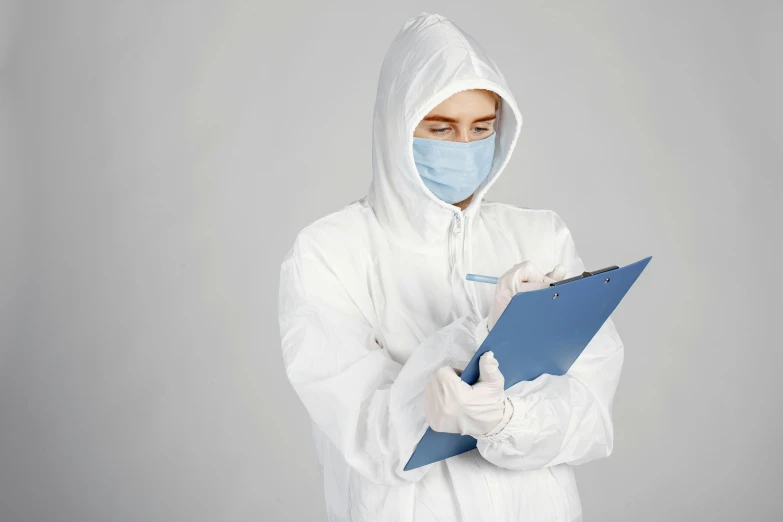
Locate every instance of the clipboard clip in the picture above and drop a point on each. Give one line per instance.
(585, 274)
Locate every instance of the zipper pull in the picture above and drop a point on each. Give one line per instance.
(457, 223)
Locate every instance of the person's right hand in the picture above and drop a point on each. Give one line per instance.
(521, 277)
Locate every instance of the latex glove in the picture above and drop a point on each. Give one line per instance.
(451, 405)
(521, 277)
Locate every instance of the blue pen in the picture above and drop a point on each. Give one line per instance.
(482, 279)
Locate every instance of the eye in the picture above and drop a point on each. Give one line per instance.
(480, 129)
(440, 131)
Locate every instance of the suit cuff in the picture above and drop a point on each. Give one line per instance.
(508, 411)
(509, 426)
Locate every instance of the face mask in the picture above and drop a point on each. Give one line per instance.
(453, 170)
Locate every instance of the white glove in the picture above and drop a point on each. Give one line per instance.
(522, 277)
(451, 405)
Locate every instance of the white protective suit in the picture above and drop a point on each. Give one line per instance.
(373, 299)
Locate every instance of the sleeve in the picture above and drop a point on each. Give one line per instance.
(366, 403)
(567, 418)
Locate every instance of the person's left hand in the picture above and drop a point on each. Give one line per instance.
(451, 405)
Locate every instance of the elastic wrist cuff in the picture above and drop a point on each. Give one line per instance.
(508, 426)
(508, 412)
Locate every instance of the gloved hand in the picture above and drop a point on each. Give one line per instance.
(451, 405)
(521, 277)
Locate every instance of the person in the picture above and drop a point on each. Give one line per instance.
(376, 316)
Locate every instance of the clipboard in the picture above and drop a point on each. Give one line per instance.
(540, 332)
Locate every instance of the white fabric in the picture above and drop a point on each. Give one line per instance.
(373, 300)
(453, 406)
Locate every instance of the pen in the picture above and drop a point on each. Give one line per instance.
(482, 279)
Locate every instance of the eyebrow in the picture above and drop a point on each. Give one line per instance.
(489, 117)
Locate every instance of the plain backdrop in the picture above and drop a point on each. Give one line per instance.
(158, 159)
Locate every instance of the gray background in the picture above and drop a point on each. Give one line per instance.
(158, 158)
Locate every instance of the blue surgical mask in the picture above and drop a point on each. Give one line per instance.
(453, 170)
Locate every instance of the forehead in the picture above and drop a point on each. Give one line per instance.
(466, 104)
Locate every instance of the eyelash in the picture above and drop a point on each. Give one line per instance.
(441, 131)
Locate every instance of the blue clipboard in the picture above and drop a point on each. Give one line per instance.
(543, 331)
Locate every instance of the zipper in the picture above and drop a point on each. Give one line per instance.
(457, 247)
(454, 243)
(457, 227)
(457, 240)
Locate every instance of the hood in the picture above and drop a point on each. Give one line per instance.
(429, 60)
